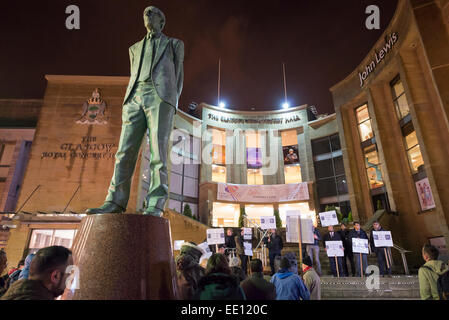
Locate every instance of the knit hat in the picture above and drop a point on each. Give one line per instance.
(191, 249)
(307, 261)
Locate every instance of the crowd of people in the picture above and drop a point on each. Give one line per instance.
(43, 276)
(223, 278)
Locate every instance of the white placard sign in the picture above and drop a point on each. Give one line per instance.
(205, 256)
(248, 248)
(382, 239)
(329, 218)
(267, 223)
(306, 230)
(247, 233)
(215, 236)
(204, 247)
(334, 249)
(360, 245)
(178, 244)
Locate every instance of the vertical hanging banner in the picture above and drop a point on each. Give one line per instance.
(263, 193)
(425, 194)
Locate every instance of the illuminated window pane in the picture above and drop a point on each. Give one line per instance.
(219, 154)
(41, 238)
(292, 174)
(302, 207)
(398, 89)
(254, 212)
(411, 140)
(402, 106)
(289, 138)
(225, 214)
(254, 176)
(366, 130)
(362, 114)
(415, 158)
(218, 173)
(253, 139)
(375, 177)
(371, 156)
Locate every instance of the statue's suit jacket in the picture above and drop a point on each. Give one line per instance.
(167, 71)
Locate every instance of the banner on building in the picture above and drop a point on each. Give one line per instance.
(334, 249)
(263, 193)
(425, 194)
(382, 239)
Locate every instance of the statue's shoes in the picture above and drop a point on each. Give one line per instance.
(154, 212)
(107, 207)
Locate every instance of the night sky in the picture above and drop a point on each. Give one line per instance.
(320, 41)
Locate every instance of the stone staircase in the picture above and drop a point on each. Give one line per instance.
(394, 288)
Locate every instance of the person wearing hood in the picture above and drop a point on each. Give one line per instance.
(429, 273)
(189, 270)
(26, 269)
(218, 283)
(289, 286)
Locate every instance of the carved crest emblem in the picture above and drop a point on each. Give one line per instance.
(93, 110)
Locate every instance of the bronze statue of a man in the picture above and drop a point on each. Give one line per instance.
(150, 103)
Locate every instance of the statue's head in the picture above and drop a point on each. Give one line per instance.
(154, 19)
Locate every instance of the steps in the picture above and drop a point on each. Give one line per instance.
(394, 288)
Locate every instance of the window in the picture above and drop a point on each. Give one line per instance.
(364, 123)
(254, 176)
(292, 167)
(41, 238)
(373, 167)
(412, 147)
(218, 173)
(254, 158)
(218, 155)
(329, 170)
(225, 214)
(399, 98)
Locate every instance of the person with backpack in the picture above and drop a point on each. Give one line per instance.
(433, 276)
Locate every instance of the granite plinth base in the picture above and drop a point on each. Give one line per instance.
(123, 257)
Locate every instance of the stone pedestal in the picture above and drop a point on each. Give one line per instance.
(123, 257)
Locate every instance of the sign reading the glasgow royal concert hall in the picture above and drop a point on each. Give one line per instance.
(378, 58)
(263, 193)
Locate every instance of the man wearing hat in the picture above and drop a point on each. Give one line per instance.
(311, 278)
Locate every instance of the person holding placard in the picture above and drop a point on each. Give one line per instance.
(313, 250)
(336, 263)
(347, 244)
(274, 244)
(240, 249)
(361, 259)
(383, 254)
(229, 241)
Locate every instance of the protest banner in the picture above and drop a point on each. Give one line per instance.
(328, 218)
